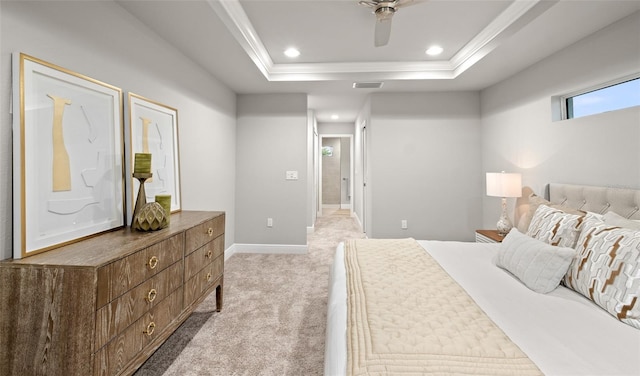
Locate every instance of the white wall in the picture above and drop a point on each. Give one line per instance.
(271, 139)
(518, 134)
(424, 165)
(101, 40)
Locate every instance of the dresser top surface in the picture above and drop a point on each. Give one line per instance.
(99, 250)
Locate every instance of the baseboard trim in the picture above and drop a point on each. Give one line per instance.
(269, 249)
(229, 252)
(311, 229)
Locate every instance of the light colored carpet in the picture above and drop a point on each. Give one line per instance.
(274, 314)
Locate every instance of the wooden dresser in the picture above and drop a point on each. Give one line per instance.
(103, 305)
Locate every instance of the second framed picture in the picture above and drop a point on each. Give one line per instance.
(153, 129)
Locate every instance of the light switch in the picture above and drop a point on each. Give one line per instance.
(292, 175)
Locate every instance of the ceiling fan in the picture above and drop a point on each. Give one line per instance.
(384, 10)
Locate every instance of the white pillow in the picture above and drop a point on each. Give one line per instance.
(538, 265)
(614, 219)
(555, 226)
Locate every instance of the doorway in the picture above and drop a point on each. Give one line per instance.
(335, 183)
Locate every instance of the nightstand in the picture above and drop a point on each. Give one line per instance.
(488, 236)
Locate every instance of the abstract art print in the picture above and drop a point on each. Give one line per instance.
(68, 156)
(153, 129)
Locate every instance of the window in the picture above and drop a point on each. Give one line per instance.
(614, 96)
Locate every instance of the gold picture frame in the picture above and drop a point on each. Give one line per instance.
(153, 128)
(68, 152)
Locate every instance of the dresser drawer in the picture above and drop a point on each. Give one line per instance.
(115, 356)
(203, 280)
(199, 235)
(114, 317)
(120, 276)
(202, 257)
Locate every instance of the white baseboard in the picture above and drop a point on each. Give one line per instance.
(311, 229)
(345, 206)
(268, 248)
(229, 252)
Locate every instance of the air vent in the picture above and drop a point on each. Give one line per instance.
(367, 85)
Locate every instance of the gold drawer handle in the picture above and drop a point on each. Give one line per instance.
(210, 231)
(209, 254)
(151, 295)
(153, 262)
(150, 328)
(208, 277)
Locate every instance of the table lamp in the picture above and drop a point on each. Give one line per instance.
(502, 184)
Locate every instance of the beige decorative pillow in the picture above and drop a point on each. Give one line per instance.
(615, 219)
(556, 227)
(533, 203)
(527, 205)
(606, 269)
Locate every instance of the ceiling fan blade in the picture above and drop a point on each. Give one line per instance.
(371, 4)
(403, 3)
(382, 32)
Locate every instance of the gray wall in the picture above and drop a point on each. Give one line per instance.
(271, 139)
(518, 134)
(427, 151)
(424, 165)
(103, 41)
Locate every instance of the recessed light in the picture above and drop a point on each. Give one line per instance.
(292, 52)
(434, 50)
(335, 117)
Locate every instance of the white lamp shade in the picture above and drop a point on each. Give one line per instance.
(502, 184)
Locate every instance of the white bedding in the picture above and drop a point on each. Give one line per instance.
(562, 332)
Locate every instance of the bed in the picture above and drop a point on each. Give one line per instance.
(563, 331)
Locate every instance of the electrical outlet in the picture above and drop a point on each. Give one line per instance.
(269, 222)
(403, 224)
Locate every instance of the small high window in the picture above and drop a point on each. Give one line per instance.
(613, 96)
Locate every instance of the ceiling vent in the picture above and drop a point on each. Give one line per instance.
(367, 85)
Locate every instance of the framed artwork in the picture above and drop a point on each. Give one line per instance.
(153, 129)
(68, 155)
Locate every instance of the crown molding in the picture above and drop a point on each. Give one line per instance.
(507, 23)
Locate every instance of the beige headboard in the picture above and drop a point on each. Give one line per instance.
(623, 201)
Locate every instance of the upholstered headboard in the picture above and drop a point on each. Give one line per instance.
(623, 201)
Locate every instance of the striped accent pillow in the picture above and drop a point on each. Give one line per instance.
(555, 226)
(606, 269)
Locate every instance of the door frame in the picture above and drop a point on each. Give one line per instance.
(351, 175)
(363, 166)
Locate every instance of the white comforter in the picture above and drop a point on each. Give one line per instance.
(562, 332)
